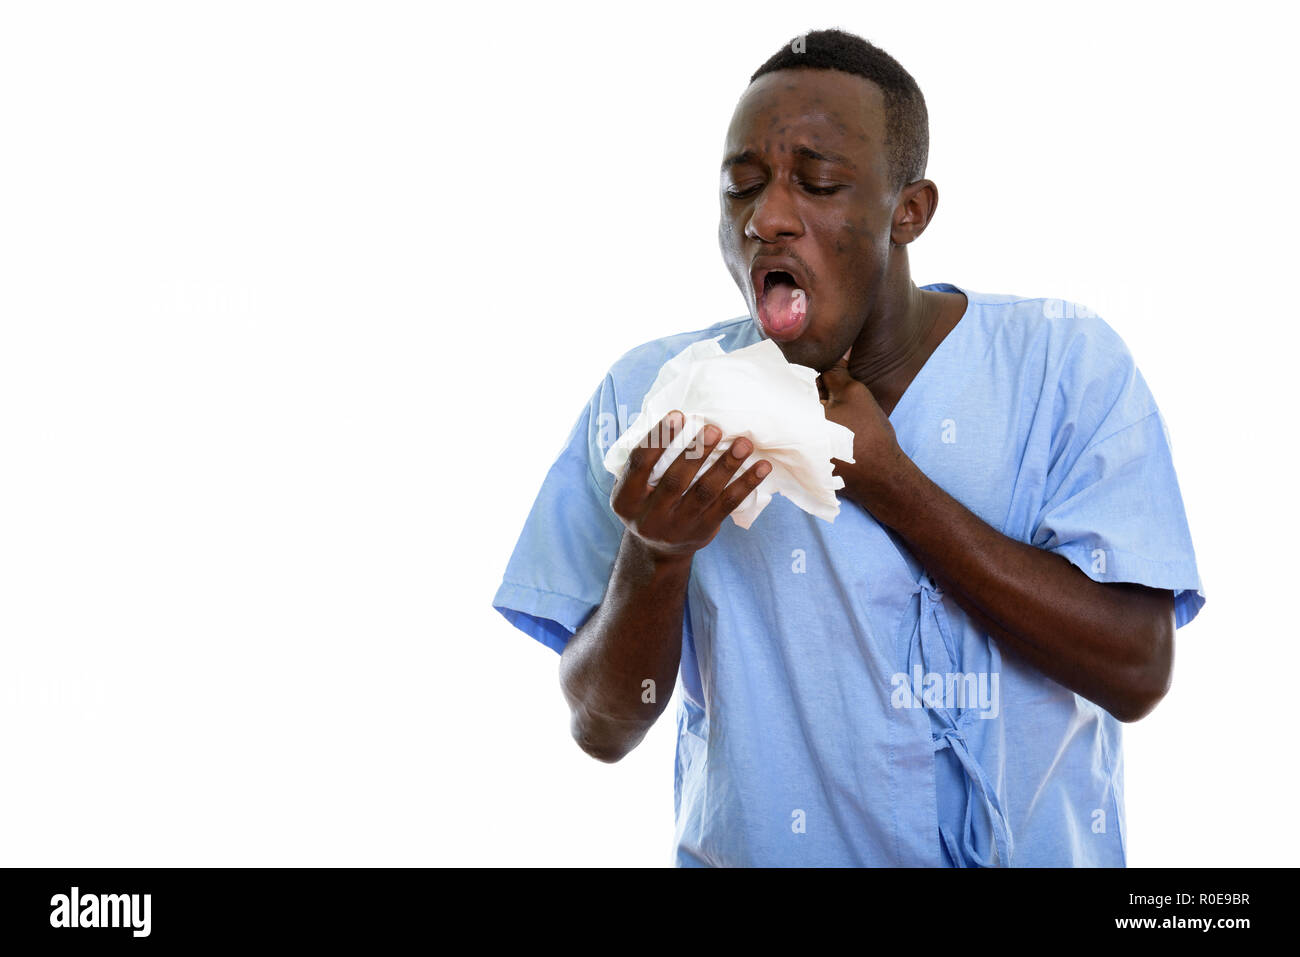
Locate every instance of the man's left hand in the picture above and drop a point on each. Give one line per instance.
(875, 448)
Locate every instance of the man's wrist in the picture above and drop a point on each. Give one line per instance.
(659, 563)
(887, 485)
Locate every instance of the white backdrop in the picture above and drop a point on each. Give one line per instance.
(298, 302)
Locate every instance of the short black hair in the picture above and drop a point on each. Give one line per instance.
(907, 124)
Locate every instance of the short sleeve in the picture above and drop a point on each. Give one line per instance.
(1112, 505)
(557, 574)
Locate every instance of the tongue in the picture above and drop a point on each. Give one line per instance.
(784, 306)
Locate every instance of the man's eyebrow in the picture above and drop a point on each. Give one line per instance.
(747, 156)
(807, 152)
(826, 157)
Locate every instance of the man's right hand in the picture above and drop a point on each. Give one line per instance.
(669, 520)
(635, 633)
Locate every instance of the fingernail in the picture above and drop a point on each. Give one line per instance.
(761, 469)
(741, 448)
(710, 434)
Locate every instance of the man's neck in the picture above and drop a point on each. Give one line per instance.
(898, 337)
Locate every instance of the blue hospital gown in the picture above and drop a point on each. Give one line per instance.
(821, 720)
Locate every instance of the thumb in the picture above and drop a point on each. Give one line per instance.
(837, 376)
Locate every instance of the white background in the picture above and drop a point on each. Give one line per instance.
(299, 302)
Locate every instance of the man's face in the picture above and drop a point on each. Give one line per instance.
(805, 190)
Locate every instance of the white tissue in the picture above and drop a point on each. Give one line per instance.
(756, 393)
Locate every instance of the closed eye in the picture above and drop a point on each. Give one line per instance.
(813, 190)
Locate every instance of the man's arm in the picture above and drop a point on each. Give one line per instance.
(636, 632)
(1111, 643)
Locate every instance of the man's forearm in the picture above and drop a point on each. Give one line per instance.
(1110, 643)
(634, 635)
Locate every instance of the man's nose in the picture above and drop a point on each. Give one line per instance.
(774, 215)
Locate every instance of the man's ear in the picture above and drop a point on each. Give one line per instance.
(916, 205)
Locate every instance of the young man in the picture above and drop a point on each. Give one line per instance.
(939, 676)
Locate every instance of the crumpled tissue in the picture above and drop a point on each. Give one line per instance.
(757, 393)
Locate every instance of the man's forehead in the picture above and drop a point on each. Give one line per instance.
(848, 107)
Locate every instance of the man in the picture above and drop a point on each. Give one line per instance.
(938, 677)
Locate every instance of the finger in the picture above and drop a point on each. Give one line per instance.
(836, 378)
(702, 495)
(678, 475)
(633, 487)
(740, 489)
(677, 479)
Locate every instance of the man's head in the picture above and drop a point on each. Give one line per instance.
(822, 180)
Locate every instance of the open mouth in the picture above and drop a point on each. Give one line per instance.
(782, 305)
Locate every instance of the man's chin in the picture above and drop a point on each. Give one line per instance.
(804, 352)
